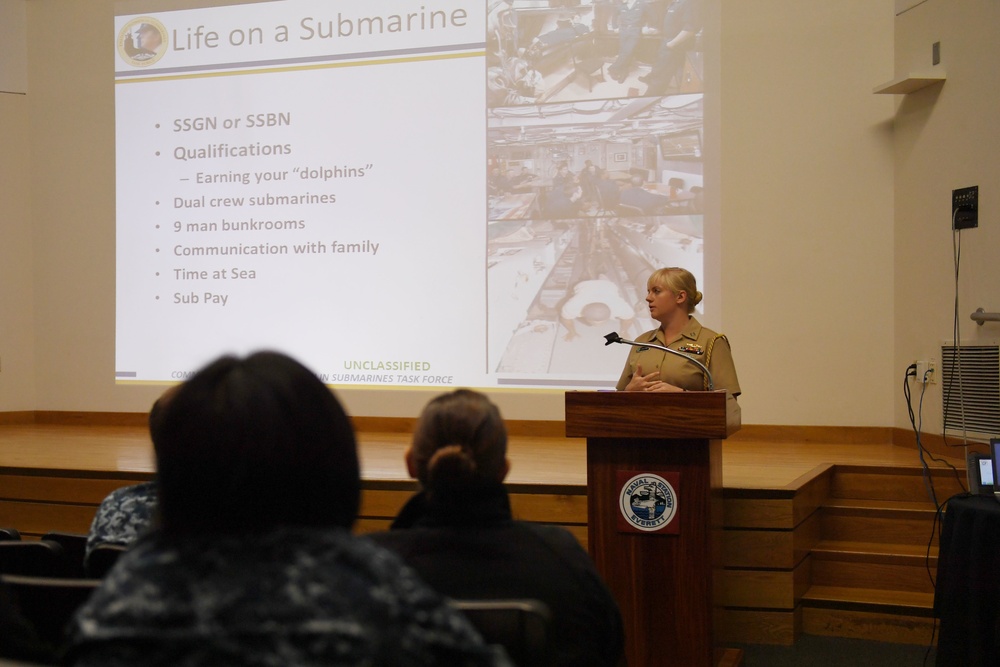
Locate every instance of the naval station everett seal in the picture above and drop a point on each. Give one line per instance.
(648, 502)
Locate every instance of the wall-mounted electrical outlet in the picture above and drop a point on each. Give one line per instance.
(925, 372)
(965, 207)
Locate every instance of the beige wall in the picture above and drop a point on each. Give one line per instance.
(17, 387)
(946, 137)
(807, 209)
(822, 251)
(17, 331)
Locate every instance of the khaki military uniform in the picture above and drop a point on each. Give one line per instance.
(697, 342)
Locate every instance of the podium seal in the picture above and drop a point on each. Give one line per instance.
(648, 502)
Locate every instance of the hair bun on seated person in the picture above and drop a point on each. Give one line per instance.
(451, 467)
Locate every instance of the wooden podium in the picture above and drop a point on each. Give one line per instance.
(654, 496)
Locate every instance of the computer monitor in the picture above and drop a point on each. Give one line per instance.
(981, 474)
(994, 471)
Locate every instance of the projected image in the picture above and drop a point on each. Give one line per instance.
(556, 287)
(585, 200)
(596, 159)
(555, 51)
(333, 180)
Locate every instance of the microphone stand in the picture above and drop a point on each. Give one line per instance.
(613, 337)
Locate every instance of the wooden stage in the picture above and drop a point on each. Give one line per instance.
(827, 530)
(755, 458)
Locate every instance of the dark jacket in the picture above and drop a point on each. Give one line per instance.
(285, 596)
(470, 548)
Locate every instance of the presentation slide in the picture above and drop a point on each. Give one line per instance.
(431, 194)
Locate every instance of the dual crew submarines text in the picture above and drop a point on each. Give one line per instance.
(260, 121)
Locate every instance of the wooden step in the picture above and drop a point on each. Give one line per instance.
(879, 566)
(872, 614)
(876, 552)
(865, 613)
(869, 600)
(872, 570)
(879, 521)
(891, 628)
(896, 483)
(881, 506)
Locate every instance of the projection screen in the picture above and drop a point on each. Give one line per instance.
(424, 194)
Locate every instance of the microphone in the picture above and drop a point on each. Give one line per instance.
(613, 337)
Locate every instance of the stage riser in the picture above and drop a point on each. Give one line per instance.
(37, 504)
(768, 536)
(879, 576)
(36, 519)
(847, 553)
(858, 527)
(770, 548)
(779, 509)
(765, 589)
(63, 488)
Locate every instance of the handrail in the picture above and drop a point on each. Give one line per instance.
(981, 316)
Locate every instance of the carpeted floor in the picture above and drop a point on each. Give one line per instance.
(812, 651)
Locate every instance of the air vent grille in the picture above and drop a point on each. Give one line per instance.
(970, 391)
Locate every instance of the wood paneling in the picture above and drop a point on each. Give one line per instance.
(896, 628)
(912, 577)
(765, 589)
(864, 524)
(756, 512)
(36, 519)
(61, 489)
(568, 508)
(53, 475)
(782, 549)
(690, 414)
(895, 483)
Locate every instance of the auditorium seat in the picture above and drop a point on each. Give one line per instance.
(520, 626)
(49, 603)
(9, 534)
(42, 558)
(101, 559)
(75, 546)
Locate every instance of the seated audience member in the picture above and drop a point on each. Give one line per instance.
(253, 562)
(459, 535)
(124, 515)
